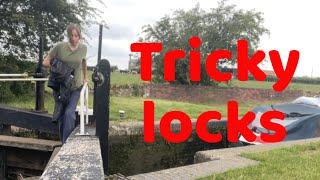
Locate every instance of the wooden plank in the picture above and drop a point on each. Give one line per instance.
(27, 159)
(3, 163)
(5, 129)
(27, 119)
(32, 178)
(28, 143)
(16, 173)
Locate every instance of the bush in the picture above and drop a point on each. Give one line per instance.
(10, 64)
(5, 92)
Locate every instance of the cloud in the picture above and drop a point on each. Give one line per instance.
(290, 28)
(115, 31)
(122, 3)
(116, 51)
(118, 31)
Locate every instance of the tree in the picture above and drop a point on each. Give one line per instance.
(218, 29)
(22, 22)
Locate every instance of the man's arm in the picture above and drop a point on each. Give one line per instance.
(52, 54)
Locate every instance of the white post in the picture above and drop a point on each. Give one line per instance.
(87, 104)
(82, 108)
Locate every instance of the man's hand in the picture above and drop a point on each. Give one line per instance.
(85, 80)
(46, 62)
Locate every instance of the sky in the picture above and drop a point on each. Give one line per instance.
(293, 25)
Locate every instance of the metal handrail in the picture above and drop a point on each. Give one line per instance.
(22, 79)
(84, 96)
(19, 77)
(14, 75)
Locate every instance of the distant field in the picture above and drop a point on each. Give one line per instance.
(122, 79)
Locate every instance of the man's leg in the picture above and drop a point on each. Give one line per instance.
(70, 115)
(61, 129)
(58, 112)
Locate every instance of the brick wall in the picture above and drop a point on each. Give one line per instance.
(127, 90)
(205, 94)
(199, 94)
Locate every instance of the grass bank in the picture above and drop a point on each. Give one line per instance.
(298, 162)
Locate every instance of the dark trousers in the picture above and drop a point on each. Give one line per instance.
(67, 121)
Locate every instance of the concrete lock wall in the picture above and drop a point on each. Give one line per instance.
(129, 154)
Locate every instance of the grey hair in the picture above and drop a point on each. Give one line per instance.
(71, 27)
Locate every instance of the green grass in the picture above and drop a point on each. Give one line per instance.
(298, 162)
(125, 79)
(133, 106)
(120, 79)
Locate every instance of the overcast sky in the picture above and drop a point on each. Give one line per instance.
(293, 24)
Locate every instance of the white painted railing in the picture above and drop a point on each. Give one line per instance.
(83, 109)
(19, 77)
(22, 79)
(14, 75)
(84, 115)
